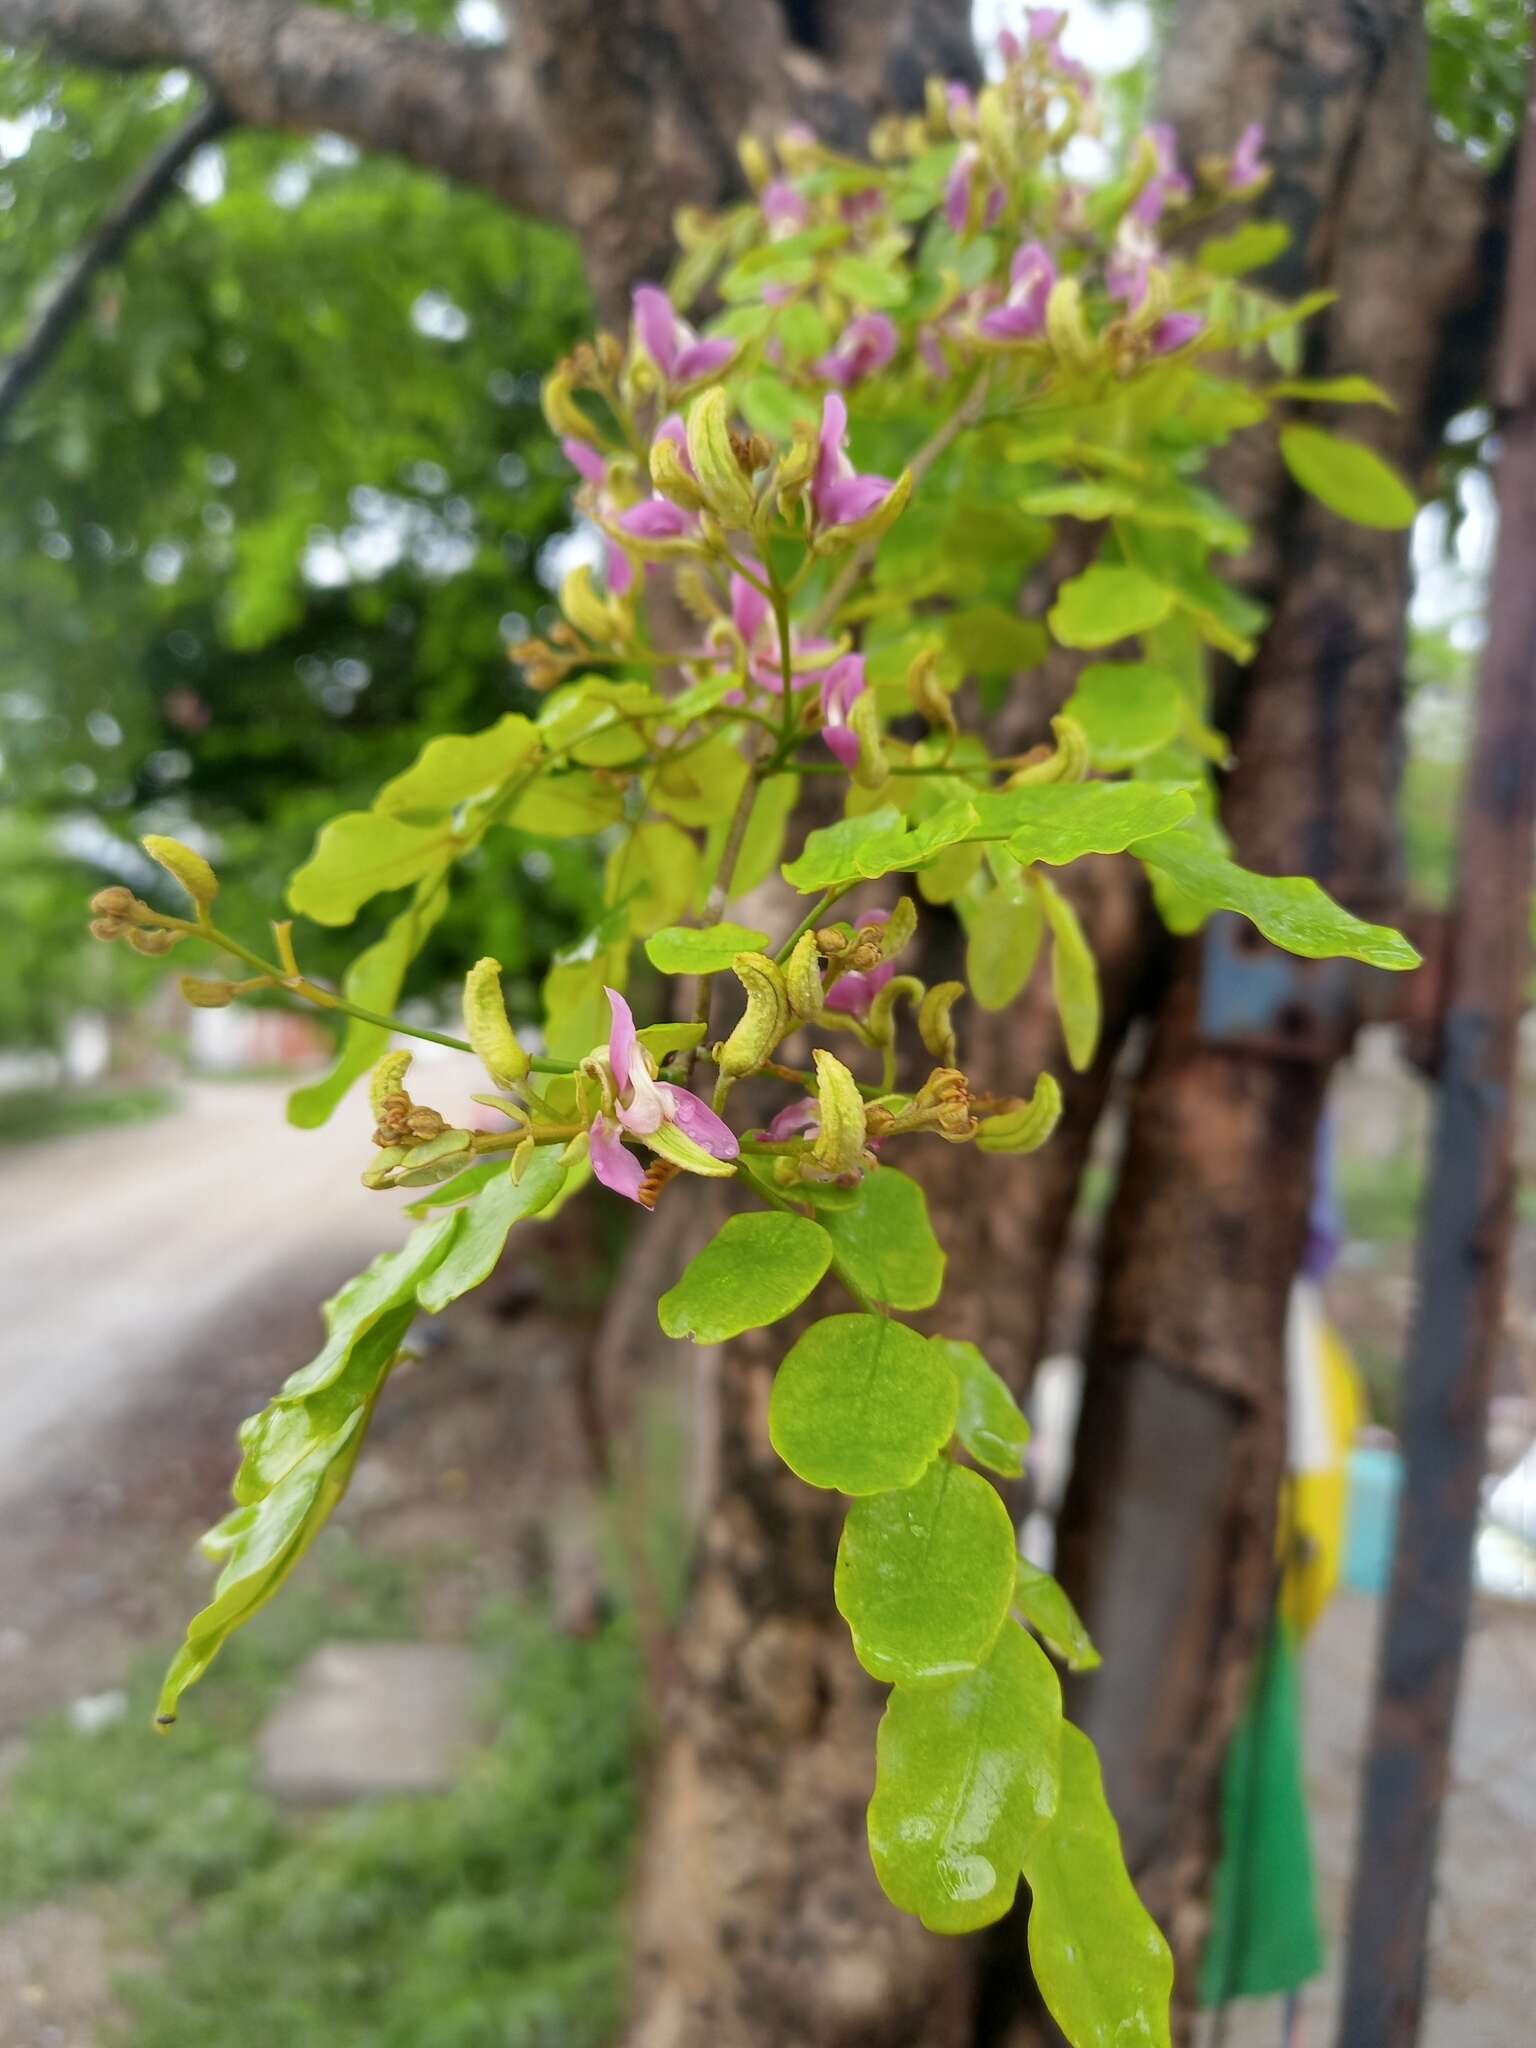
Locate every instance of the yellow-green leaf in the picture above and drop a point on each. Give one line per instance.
(1107, 603)
(1074, 974)
(755, 1269)
(457, 766)
(361, 854)
(1046, 1606)
(883, 1244)
(989, 1422)
(1347, 477)
(860, 1404)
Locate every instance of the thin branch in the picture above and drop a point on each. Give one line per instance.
(136, 207)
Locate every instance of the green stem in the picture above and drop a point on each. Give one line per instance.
(807, 923)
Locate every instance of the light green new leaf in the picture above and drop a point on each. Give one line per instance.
(1290, 910)
(567, 806)
(1046, 1606)
(1249, 247)
(1059, 822)
(755, 1269)
(989, 1421)
(878, 843)
(965, 1780)
(925, 1575)
(861, 1404)
(702, 786)
(299, 1452)
(373, 981)
(883, 1244)
(1128, 709)
(1348, 478)
(662, 1040)
(1002, 939)
(1107, 603)
(1074, 974)
(1333, 391)
(868, 283)
(701, 949)
(360, 854)
(1102, 1966)
(456, 766)
(655, 869)
(485, 1223)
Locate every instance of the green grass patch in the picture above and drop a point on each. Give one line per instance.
(33, 1113)
(485, 1917)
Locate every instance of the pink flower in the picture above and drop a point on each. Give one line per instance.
(958, 190)
(839, 494)
(1174, 330)
(586, 461)
(1043, 27)
(865, 345)
(658, 519)
(752, 616)
(641, 1106)
(860, 206)
(1167, 181)
(841, 686)
(853, 993)
(784, 209)
(671, 343)
(1021, 317)
(1247, 168)
(795, 1117)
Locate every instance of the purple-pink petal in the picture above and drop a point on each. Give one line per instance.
(853, 993)
(612, 1161)
(843, 744)
(701, 359)
(865, 345)
(794, 1118)
(656, 325)
(656, 519)
(622, 1042)
(673, 430)
(840, 686)
(852, 498)
(618, 569)
(784, 208)
(957, 188)
(1247, 166)
(583, 459)
(696, 1120)
(1174, 330)
(750, 610)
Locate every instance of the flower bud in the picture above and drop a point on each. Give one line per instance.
(603, 621)
(839, 1145)
(207, 995)
(898, 928)
(564, 415)
(764, 1021)
(880, 1020)
(388, 1080)
(670, 474)
(116, 902)
(870, 770)
(1066, 327)
(486, 1026)
(1026, 1126)
(107, 928)
(802, 977)
(933, 1024)
(755, 162)
(152, 944)
(797, 465)
(189, 868)
(1068, 762)
(874, 523)
(929, 696)
(723, 486)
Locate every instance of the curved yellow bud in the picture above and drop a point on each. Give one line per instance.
(880, 1023)
(802, 977)
(723, 485)
(933, 1022)
(1025, 1128)
(670, 475)
(898, 928)
(1065, 325)
(870, 769)
(486, 1026)
(564, 415)
(839, 1145)
(762, 1023)
(206, 995)
(1069, 762)
(189, 868)
(387, 1078)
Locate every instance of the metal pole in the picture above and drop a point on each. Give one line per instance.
(1463, 1236)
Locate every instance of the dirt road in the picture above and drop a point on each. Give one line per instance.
(118, 1248)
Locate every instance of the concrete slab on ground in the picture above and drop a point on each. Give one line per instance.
(372, 1718)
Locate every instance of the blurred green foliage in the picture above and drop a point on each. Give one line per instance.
(489, 1914)
(268, 520)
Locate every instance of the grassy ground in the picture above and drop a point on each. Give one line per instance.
(486, 1917)
(33, 1113)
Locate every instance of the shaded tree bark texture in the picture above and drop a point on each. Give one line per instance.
(758, 1923)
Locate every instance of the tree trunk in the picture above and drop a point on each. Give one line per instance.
(1168, 1532)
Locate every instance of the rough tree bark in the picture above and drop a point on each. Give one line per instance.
(758, 1922)
(1168, 1532)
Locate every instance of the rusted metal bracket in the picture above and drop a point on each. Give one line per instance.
(1259, 999)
